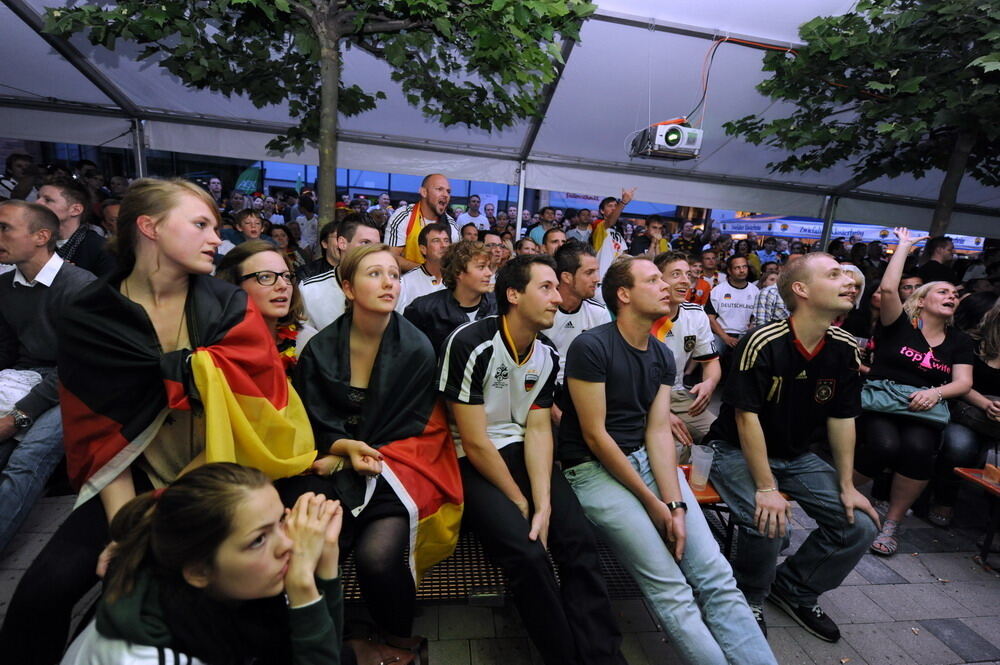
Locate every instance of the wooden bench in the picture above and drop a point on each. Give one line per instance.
(975, 476)
(468, 575)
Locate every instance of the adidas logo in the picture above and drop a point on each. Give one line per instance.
(569, 324)
(802, 375)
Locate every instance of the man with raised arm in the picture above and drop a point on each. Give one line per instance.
(498, 376)
(618, 456)
(605, 237)
(403, 228)
(788, 379)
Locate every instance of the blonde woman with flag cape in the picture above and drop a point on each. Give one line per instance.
(367, 381)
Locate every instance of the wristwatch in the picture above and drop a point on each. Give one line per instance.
(21, 419)
(674, 505)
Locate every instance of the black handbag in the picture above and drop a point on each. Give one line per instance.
(975, 418)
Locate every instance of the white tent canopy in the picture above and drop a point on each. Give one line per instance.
(637, 61)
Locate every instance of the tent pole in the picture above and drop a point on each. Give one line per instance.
(520, 199)
(828, 213)
(139, 147)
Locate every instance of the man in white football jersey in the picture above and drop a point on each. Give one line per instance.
(497, 375)
(730, 306)
(434, 240)
(576, 266)
(688, 335)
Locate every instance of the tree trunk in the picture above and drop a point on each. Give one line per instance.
(964, 141)
(330, 89)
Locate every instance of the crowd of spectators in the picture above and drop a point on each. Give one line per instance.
(402, 365)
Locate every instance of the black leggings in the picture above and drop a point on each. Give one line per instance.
(379, 537)
(37, 624)
(901, 444)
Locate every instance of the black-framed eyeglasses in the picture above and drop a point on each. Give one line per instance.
(268, 277)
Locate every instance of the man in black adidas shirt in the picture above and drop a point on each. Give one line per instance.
(498, 375)
(787, 379)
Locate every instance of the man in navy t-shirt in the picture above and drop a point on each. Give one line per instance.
(618, 455)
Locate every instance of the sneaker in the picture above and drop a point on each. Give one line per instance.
(813, 619)
(758, 615)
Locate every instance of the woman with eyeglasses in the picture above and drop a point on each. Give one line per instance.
(135, 353)
(261, 270)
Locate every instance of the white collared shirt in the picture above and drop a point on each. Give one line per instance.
(45, 276)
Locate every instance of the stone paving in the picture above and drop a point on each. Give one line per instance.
(930, 604)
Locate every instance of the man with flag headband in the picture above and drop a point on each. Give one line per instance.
(367, 381)
(687, 333)
(403, 228)
(162, 368)
(498, 375)
(605, 238)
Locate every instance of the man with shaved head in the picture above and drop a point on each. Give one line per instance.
(402, 231)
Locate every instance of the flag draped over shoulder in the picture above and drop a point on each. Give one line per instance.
(116, 387)
(661, 327)
(402, 417)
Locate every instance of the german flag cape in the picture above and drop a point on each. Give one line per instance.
(402, 417)
(116, 388)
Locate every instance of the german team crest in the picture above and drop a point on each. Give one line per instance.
(689, 341)
(530, 379)
(824, 390)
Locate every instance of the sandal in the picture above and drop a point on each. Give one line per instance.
(885, 542)
(940, 516)
(881, 506)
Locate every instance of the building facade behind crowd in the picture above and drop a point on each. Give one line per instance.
(555, 332)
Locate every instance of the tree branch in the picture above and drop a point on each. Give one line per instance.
(391, 26)
(374, 50)
(308, 14)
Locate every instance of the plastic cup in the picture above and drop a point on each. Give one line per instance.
(701, 464)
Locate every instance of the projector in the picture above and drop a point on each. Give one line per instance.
(667, 141)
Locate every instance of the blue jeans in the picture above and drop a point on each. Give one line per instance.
(826, 557)
(714, 627)
(25, 467)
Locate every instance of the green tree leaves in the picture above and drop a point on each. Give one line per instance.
(482, 63)
(888, 87)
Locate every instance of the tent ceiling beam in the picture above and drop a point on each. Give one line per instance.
(469, 149)
(659, 25)
(757, 183)
(26, 13)
(550, 90)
